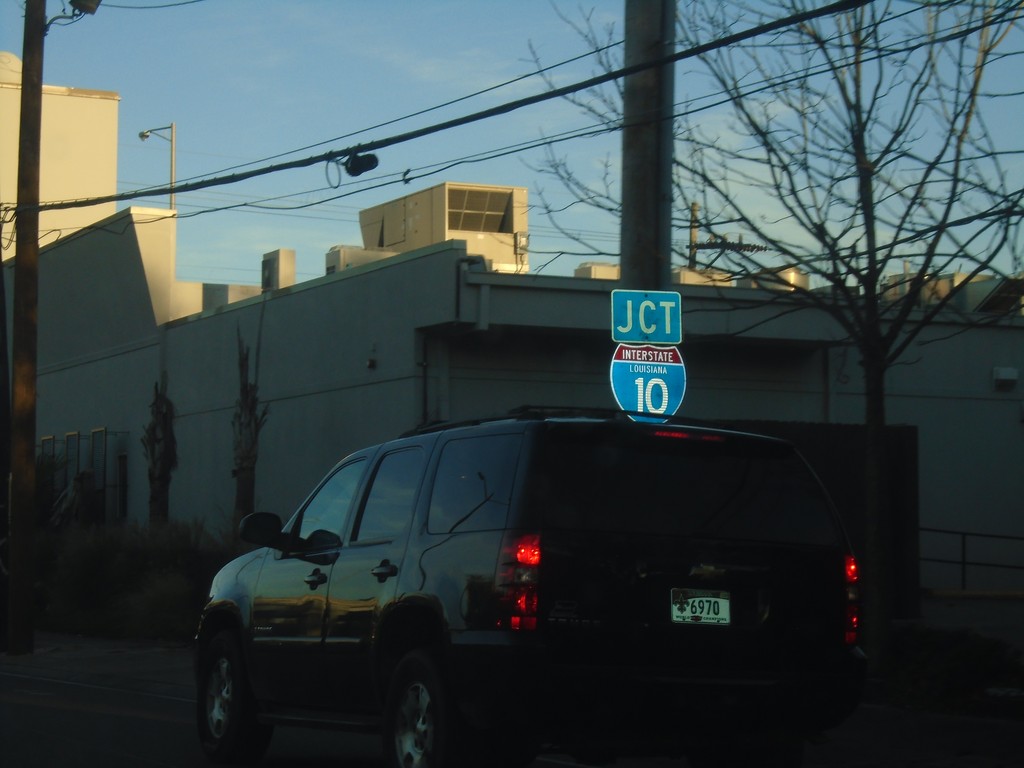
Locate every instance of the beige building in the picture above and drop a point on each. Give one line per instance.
(78, 150)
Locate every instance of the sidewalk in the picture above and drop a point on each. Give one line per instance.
(161, 669)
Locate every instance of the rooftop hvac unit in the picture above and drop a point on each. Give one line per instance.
(783, 279)
(1000, 296)
(342, 257)
(597, 270)
(715, 277)
(940, 287)
(491, 220)
(278, 269)
(218, 295)
(935, 287)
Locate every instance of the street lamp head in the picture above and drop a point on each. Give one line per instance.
(156, 132)
(86, 6)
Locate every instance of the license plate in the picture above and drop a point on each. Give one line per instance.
(700, 606)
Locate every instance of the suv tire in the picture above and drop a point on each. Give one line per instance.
(225, 708)
(419, 723)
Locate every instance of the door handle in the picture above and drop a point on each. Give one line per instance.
(316, 578)
(384, 571)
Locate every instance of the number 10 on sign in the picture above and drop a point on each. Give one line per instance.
(651, 395)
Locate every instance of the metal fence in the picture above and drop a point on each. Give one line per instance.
(966, 561)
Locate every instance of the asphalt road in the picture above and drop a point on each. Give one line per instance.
(87, 703)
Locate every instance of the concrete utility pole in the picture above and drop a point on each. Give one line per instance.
(647, 143)
(26, 301)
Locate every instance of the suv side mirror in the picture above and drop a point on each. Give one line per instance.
(262, 529)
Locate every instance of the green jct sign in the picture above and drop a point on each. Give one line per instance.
(646, 317)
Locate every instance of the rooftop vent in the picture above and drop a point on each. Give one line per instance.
(480, 210)
(491, 220)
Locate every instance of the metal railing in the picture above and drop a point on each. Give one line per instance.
(963, 562)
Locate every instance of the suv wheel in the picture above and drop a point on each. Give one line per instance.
(419, 724)
(225, 708)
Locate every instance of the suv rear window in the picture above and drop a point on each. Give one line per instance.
(662, 482)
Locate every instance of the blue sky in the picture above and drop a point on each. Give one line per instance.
(245, 80)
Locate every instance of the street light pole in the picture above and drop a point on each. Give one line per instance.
(174, 142)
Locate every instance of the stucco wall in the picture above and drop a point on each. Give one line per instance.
(78, 150)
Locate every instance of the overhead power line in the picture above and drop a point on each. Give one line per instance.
(502, 109)
(175, 4)
(424, 111)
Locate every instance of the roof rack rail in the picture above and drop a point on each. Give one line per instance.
(538, 412)
(519, 413)
(564, 412)
(437, 426)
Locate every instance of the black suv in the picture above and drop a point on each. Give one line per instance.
(592, 585)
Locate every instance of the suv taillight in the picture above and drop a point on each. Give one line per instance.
(517, 580)
(852, 618)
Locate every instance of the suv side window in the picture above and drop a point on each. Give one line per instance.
(322, 519)
(474, 482)
(389, 504)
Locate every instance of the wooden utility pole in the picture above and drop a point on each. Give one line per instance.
(26, 302)
(647, 143)
(5, 449)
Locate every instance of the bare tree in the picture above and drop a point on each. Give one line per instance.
(246, 424)
(161, 450)
(853, 148)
